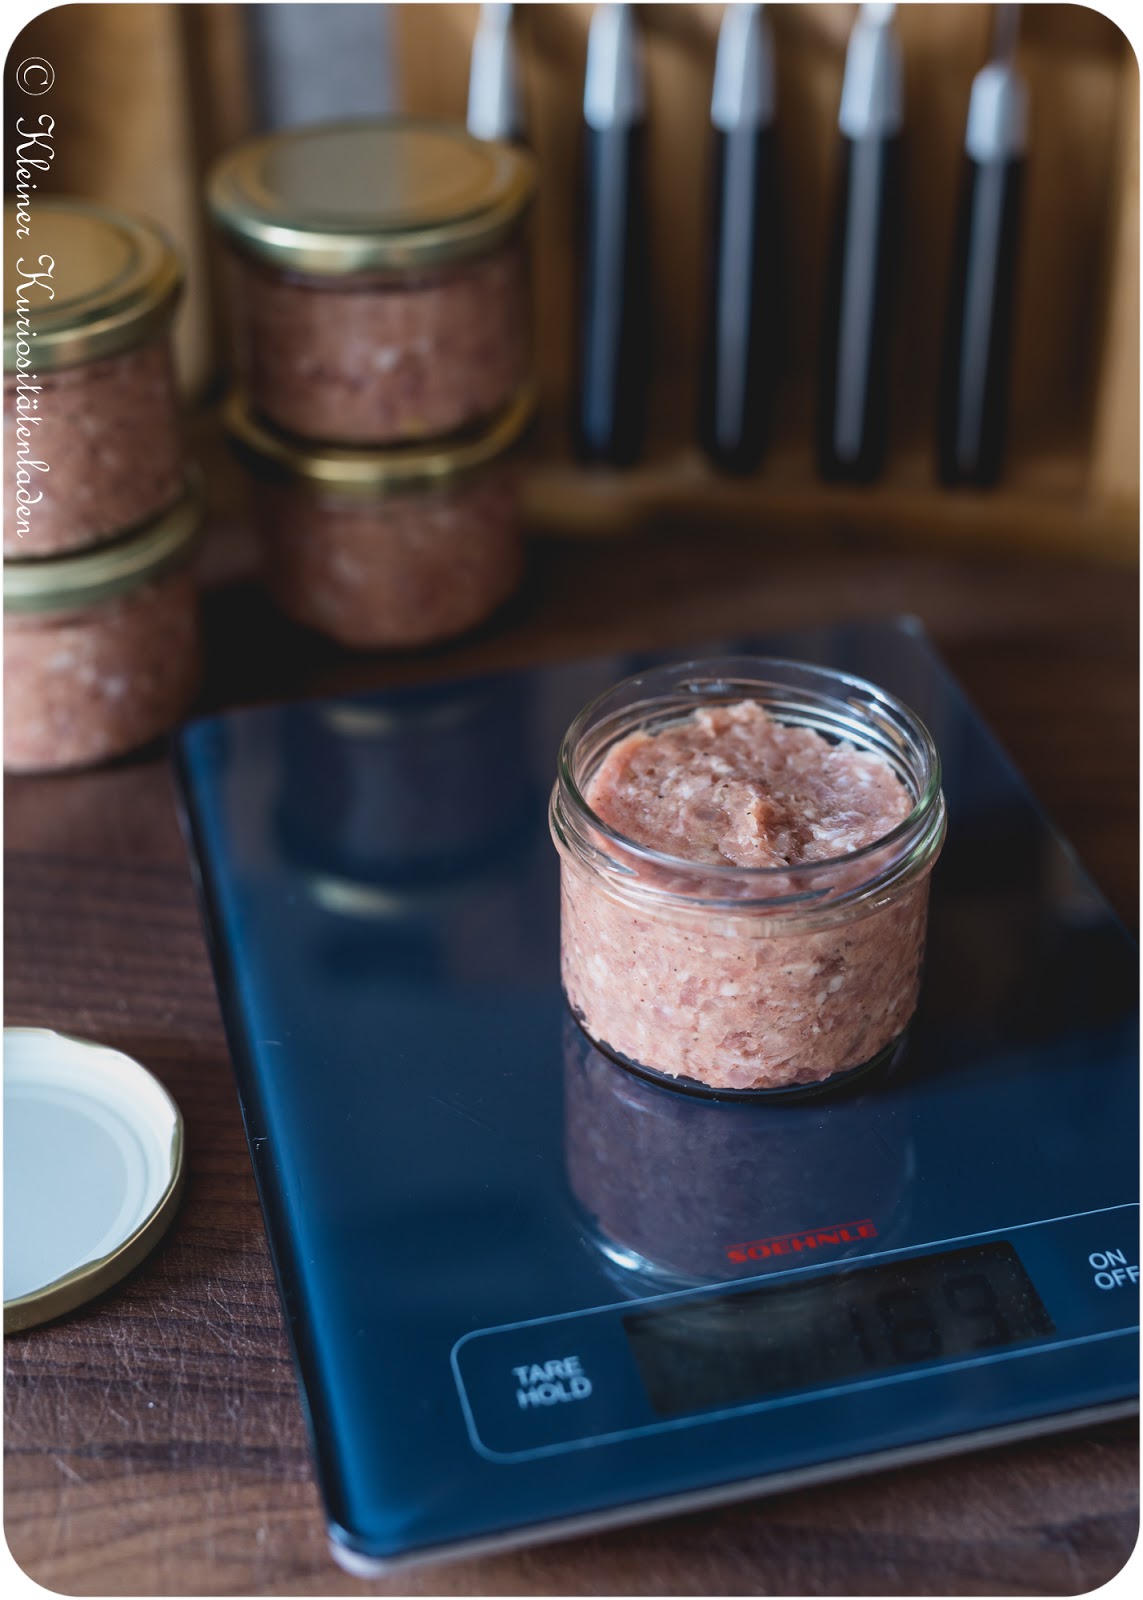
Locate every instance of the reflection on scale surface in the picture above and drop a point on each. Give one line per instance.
(420, 834)
(679, 1189)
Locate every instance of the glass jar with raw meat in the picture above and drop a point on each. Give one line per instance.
(380, 277)
(101, 648)
(388, 549)
(746, 847)
(92, 434)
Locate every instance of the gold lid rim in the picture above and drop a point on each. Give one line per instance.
(322, 248)
(59, 583)
(109, 326)
(384, 470)
(85, 1283)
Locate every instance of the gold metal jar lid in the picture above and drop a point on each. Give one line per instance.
(93, 1171)
(61, 583)
(375, 472)
(82, 282)
(358, 197)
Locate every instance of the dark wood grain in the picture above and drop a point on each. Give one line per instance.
(155, 1443)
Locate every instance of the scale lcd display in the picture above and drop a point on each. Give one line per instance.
(735, 1348)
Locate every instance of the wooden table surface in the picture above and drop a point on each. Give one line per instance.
(155, 1443)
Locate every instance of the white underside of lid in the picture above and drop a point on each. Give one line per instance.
(90, 1149)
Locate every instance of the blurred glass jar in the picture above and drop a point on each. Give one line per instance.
(380, 277)
(757, 979)
(101, 649)
(388, 549)
(92, 433)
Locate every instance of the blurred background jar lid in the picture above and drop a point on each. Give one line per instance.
(57, 583)
(389, 470)
(109, 281)
(382, 196)
(93, 1171)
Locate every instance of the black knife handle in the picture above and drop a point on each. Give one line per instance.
(615, 323)
(972, 406)
(853, 393)
(743, 297)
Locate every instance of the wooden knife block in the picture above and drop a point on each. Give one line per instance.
(150, 95)
(1072, 475)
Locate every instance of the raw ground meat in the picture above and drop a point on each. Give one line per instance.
(88, 684)
(731, 785)
(110, 434)
(393, 571)
(738, 999)
(376, 360)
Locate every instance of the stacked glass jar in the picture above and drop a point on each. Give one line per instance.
(101, 640)
(381, 310)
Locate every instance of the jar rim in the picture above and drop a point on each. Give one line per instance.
(365, 195)
(115, 279)
(88, 576)
(923, 825)
(384, 469)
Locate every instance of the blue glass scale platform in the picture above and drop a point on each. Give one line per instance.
(530, 1292)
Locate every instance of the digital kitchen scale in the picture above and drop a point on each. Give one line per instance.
(532, 1293)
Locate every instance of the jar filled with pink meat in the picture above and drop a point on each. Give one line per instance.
(746, 846)
(379, 277)
(388, 549)
(102, 648)
(92, 433)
